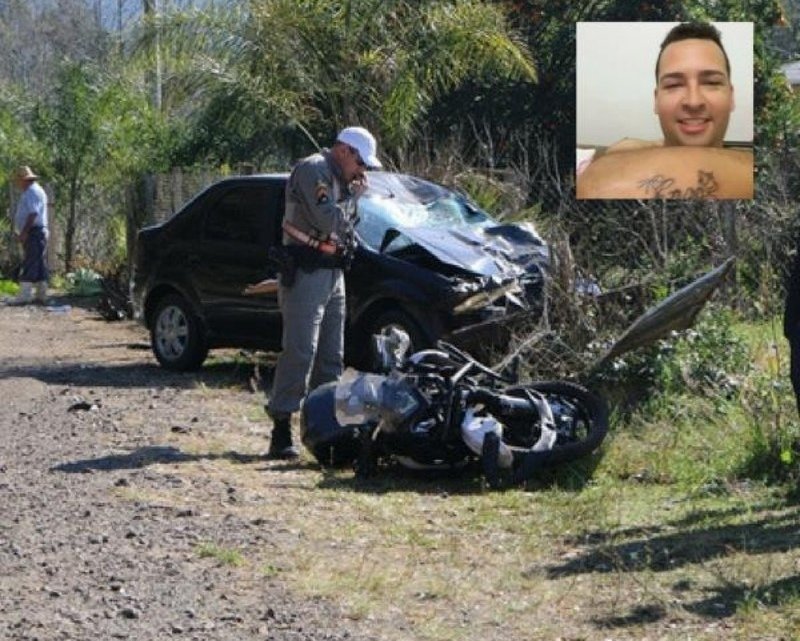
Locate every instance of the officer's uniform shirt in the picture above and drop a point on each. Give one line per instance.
(317, 199)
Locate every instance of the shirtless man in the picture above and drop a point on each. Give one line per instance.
(694, 98)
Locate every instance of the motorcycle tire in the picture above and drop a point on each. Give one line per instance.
(588, 415)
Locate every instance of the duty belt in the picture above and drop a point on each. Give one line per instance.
(324, 246)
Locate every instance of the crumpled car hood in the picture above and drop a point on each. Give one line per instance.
(498, 252)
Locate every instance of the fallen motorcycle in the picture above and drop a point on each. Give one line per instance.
(441, 409)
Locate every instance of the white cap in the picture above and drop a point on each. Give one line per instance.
(362, 141)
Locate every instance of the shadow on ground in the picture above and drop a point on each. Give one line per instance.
(395, 478)
(769, 529)
(460, 480)
(658, 552)
(157, 454)
(220, 374)
(721, 603)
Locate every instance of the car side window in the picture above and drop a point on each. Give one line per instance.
(240, 215)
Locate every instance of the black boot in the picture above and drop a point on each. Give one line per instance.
(280, 444)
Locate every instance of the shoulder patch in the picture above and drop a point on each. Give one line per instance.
(321, 193)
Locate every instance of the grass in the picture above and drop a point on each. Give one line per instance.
(687, 527)
(225, 556)
(8, 287)
(506, 559)
(57, 282)
(742, 425)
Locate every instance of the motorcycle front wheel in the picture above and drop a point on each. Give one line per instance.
(581, 420)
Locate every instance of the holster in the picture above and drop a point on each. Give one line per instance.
(309, 259)
(284, 263)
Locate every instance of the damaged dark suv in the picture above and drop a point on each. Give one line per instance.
(429, 261)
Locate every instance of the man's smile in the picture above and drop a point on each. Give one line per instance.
(692, 126)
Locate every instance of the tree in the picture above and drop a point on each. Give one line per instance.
(36, 35)
(70, 124)
(316, 65)
(17, 147)
(94, 127)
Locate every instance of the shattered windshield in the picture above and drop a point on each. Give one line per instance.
(397, 201)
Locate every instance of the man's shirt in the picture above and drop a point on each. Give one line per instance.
(32, 201)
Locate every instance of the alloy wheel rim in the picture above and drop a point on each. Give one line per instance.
(172, 332)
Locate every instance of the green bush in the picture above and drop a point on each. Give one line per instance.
(84, 282)
(8, 287)
(709, 358)
(723, 410)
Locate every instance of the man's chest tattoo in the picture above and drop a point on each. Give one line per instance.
(660, 186)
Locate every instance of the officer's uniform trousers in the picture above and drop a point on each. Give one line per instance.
(312, 310)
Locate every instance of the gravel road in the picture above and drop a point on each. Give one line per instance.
(91, 432)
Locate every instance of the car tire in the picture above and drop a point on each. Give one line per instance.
(177, 336)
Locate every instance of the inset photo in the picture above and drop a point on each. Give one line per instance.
(664, 110)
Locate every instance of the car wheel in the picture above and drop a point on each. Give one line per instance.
(177, 335)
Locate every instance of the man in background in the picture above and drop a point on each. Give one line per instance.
(693, 100)
(30, 225)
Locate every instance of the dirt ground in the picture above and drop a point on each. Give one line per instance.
(89, 428)
(136, 504)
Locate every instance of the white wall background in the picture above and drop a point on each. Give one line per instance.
(616, 78)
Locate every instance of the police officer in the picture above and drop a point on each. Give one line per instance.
(320, 204)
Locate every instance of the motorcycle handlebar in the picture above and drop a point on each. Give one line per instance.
(465, 358)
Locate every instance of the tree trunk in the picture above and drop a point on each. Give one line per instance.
(69, 231)
(154, 76)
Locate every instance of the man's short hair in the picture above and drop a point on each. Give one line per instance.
(698, 30)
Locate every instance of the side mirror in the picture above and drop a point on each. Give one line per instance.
(390, 348)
